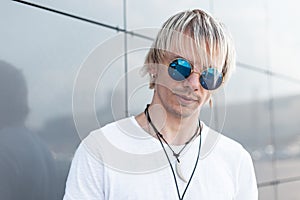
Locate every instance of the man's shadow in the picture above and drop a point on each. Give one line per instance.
(27, 170)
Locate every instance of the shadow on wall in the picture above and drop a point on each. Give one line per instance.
(62, 138)
(27, 169)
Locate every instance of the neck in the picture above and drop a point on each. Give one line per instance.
(176, 130)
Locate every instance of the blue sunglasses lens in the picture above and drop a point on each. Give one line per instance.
(211, 79)
(179, 69)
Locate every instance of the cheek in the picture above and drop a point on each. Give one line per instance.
(163, 79)
(165, 92)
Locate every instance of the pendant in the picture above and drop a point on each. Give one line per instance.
(179, 173)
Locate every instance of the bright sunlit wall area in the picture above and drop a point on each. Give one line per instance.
(44, 44)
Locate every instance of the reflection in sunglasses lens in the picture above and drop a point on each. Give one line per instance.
(180, 69)
(211, 79)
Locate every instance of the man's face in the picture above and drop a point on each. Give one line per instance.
(180, 98)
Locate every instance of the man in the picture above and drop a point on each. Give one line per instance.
(165, 152)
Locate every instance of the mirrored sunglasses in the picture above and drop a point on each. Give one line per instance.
(180, 69)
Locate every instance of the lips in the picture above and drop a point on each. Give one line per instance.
(185, 99)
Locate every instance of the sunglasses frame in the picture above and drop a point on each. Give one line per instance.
(193, 71)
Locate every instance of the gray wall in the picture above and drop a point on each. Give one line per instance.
(42, 53)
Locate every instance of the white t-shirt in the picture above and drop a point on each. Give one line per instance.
(121, 161)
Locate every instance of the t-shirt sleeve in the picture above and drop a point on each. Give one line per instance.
(85, 179)
(247, 186)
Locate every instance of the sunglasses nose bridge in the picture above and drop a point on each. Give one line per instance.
(194, 72)
(193, 80)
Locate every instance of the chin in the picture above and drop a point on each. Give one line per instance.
(188, 113)
(184, 111)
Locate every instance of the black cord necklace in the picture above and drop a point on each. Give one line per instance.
(160, 137)
(176, 155)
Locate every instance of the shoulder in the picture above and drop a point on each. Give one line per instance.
(114, 127)
(223, 147)
(231, 144)
(106, 138)
(121, 139)
(234, 159)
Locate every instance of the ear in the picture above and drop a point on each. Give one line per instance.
(152, 69)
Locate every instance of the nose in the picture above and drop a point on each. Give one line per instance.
(193, 81)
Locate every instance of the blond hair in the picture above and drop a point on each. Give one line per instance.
(210, 41)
